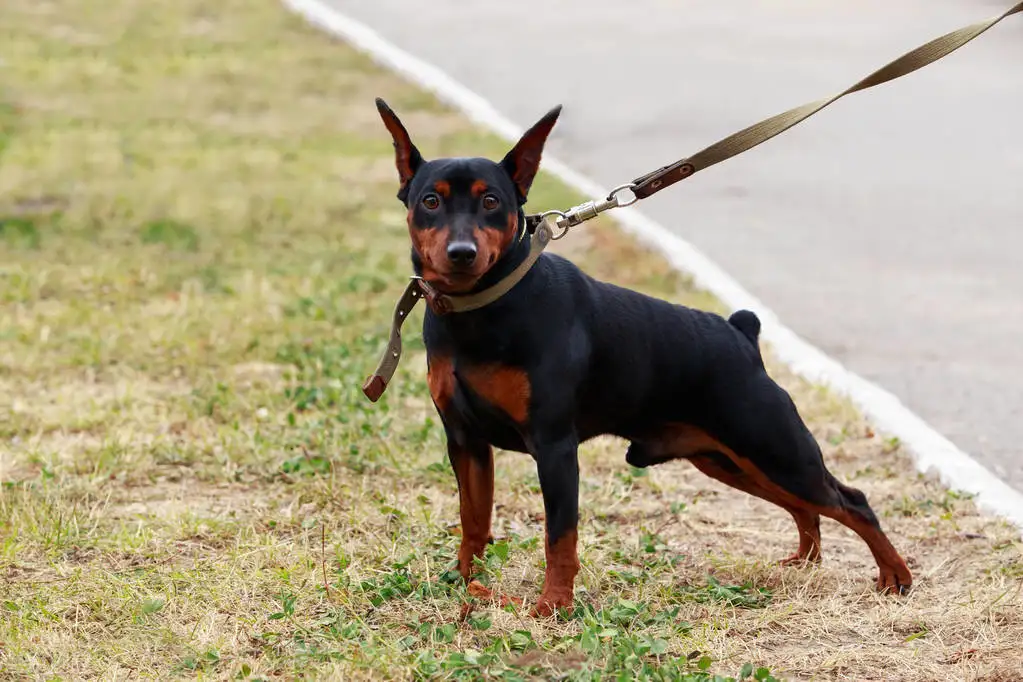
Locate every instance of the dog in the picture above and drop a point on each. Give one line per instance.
(562, 358)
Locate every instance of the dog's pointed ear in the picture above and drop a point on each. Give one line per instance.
(523, 161)
(406, 157)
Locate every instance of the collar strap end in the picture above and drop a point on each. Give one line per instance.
(374, 387)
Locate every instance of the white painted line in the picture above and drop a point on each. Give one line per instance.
(930, 449)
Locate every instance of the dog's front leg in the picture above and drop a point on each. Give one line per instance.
(473, 463)
(557, 465)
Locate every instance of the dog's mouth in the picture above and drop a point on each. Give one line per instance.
(455, 280)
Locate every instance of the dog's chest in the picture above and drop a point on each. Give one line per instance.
(490, 399)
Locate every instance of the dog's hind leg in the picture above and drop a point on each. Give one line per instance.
(764, 436)
(808, 523)
(686, 443)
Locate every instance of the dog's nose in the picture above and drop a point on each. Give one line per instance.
(461, 254)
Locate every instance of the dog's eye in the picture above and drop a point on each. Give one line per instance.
(431, 202)
(490, 202)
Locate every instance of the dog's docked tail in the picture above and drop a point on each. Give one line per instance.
(748, 323)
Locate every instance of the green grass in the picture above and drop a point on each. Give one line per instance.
(199, 252)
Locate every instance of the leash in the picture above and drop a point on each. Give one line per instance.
(758, 133)
(541, 226)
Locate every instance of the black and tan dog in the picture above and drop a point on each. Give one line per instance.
(562, 358)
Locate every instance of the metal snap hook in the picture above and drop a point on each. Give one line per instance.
(613, 195)
(562, 222)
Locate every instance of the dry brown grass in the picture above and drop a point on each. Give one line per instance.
(199, 251)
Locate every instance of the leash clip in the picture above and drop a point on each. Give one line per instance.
(613, 195)
(591, 209)
(560, 222)
(583, 212)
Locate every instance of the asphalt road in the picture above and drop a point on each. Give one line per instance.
(888, 230)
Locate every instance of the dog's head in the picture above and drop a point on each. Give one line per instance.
(464, 214)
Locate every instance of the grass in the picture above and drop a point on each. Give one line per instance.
(199, 251)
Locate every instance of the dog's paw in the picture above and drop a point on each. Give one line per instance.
(894, 580)
(548, 604)
(477, 589)
(800, 560)
(808, 554)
